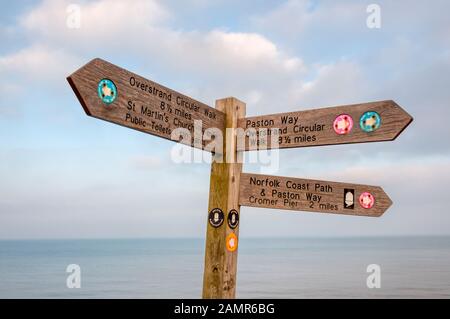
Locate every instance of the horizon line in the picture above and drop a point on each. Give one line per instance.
(242, 237)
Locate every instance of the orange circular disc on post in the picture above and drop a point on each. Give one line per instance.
(232, 242)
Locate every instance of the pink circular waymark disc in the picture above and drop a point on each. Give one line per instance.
(366, 200)
(343, 124)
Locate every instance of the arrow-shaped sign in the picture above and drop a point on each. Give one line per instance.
(357, 123)
(113, 94)
(312, 195)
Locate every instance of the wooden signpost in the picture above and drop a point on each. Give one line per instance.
(116, 95)
(312, 195)
(358, 123)
(113, 94)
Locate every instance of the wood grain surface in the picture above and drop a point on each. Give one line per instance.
(219, 279)
(309, 195)
(315, 127)
(142, 104)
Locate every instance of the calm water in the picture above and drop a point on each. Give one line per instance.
(278, 268)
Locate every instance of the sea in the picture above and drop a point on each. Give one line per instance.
(388, 267)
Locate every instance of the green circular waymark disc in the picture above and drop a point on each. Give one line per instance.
(107, 91)
(370, 121)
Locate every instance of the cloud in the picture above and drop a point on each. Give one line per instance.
(105, 20)
(37, 63)
(148, 162)
(139, 28)
(37, 69)
(83, 194)
(342, 82)
(407, 60)
(243, 52)
(298, 19)
(138, 32)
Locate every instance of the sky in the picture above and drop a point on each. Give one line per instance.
(66, 175)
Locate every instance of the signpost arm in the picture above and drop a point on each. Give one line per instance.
(219, 279)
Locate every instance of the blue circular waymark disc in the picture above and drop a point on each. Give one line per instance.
(107, 91)
(370, 121)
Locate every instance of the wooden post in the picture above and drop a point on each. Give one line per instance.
(219, 279)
